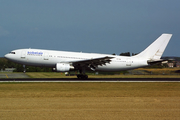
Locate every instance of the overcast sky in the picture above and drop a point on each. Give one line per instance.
(98, 26)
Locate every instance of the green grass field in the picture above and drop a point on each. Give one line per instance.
(61, 75)
(144, 73)
(156, 73)
(87, 101)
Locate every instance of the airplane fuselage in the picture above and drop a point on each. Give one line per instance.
(64, 61)
(49, 58)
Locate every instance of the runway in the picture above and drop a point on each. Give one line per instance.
(90, 80)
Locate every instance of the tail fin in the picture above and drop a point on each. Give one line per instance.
(156, 49)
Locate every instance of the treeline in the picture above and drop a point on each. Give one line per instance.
(126, 54)
(172, 58)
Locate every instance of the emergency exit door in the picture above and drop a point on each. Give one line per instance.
(128, 62)
(46, 56)
(23, 54)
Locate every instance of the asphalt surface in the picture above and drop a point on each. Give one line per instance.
(13, 75)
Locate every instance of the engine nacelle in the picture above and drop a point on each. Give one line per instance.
(63, 67)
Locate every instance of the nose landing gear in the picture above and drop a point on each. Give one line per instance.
(24, 66)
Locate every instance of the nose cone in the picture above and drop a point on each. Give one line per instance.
(10, 55)
(6, 56)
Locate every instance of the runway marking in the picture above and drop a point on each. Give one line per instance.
(6, 75)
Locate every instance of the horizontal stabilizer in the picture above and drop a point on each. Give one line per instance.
(151, 62)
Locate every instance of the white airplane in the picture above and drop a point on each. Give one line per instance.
(64, 61)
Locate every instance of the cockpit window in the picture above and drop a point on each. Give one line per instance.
(12, 53)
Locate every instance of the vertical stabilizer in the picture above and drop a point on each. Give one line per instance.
(156, 49)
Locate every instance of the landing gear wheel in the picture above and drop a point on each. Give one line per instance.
(85, 77)
(80, 76)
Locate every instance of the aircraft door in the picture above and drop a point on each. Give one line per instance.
(46, 56)
(128, 62)
(23, 54)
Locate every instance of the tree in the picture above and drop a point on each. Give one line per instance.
(134, 54)
(125, 54)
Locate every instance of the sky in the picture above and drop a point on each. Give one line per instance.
(93, 26)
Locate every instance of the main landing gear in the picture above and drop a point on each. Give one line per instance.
(82, 76)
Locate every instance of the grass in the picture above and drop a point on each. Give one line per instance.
(145, 73)
(87, 101)
(156, 73)
(61, 75)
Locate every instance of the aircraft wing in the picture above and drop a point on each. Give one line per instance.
(91, 63)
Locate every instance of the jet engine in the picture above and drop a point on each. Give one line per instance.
(63, 67)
